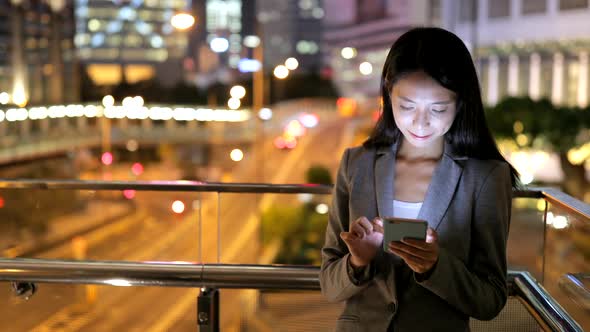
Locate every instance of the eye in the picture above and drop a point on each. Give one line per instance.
(439, 110)
(406, 108)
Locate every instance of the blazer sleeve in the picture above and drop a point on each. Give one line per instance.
(338, 280)
(479, 289)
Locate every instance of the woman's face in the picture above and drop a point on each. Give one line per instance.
(423, 110)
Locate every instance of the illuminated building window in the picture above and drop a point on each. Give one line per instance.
(222, 14)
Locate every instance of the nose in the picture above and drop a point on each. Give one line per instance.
(421, 118)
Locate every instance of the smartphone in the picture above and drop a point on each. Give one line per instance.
(395, 229)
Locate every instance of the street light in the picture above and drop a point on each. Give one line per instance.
(281, 72)
(237, 91)
(291, 63)
(182, 21)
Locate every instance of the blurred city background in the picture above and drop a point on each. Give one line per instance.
(261, 91)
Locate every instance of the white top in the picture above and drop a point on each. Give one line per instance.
(406, 209)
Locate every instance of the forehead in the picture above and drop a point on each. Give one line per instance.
(419, 86)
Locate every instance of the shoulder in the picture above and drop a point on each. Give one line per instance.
(482, 171)
(483, 166)
(357, 155)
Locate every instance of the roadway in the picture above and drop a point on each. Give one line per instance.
(153, 233)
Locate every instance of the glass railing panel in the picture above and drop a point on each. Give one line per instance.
(126, 225)
(524, 250)
(56, 307)
(567, 251)
(272, 228)
(59, 223)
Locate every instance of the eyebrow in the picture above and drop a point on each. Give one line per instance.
(444, 102)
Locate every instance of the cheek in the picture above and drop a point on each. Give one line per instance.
(401, 120)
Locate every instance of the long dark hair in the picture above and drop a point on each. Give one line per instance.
(443, 56)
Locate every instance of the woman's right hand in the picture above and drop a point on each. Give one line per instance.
(363, 240)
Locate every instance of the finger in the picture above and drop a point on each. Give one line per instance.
(417, 243)
(431, 235)
(366, 224)
(347, 236)
(414, 262)
(378, 225)
(357, 230)
(398, 246)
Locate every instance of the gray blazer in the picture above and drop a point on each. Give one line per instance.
(468, 203)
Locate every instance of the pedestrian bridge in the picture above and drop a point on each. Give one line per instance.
(221, 259)
(29, 133)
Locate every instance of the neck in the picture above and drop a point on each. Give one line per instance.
(410, 152)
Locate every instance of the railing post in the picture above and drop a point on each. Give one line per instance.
(208, 310)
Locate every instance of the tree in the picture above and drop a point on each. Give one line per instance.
(318, 174)
(542, 125)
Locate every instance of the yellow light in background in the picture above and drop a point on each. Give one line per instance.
(541, 204)
(236, 155)
(578, 155)
(291, 63)
(93, 25)
(108, 101)
(237, 91)
(4, 98)
(366, 68)
(182, 21)
(138, 101)
(19, 96)
(518, 127)
(348, 52)
(522, 139)
(233, 103)
(281, 72)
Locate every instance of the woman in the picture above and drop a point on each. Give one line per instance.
(431, 157)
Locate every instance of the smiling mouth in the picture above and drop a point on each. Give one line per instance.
(419, 137)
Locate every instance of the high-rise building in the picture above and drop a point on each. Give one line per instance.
(224, 42)
(136, 35)
(291, 29)
(37, 59)
(358, 35)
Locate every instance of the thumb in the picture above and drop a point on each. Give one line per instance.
(431, 235)
(378, 225)
(345, 236)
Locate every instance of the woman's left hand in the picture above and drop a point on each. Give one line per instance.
(421, 256)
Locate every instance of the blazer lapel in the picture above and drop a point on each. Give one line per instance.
(441, 189)
(384, 175)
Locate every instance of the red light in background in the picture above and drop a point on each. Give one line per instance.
(137, 168)
(1, 202)
(279, 142)
(346, 106)
(129, 193)
(375, 116)
(107, 158)
(178, 207)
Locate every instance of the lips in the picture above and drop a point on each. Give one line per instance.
(419, 136)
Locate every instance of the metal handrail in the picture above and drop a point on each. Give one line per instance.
(177, 185)
(566, 202)
(544, 304)
(286, 277)
(163, 274)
